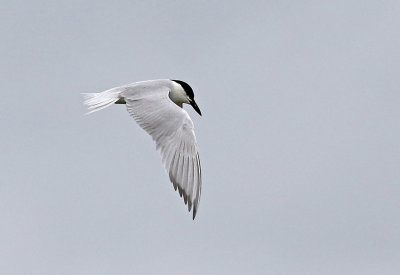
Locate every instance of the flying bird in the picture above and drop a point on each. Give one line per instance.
(156, 105)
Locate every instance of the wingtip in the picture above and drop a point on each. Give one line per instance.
(194, 212)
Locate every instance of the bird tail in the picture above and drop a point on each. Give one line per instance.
(98, 101)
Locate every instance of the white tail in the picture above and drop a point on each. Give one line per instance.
(98, 101)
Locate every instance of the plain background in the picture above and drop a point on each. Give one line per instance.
(299, 138)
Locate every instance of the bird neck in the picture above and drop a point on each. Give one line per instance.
(178, 96)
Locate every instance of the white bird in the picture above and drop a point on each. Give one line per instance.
(156, 105)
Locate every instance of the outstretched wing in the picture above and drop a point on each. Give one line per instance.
(172, 129)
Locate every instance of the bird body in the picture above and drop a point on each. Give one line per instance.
(156, 105)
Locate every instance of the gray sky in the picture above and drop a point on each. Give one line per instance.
(299, 138)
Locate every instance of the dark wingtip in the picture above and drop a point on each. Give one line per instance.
(194, 212)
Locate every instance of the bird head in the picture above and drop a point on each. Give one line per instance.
(189, 95)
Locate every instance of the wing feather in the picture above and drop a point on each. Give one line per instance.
(172, 129)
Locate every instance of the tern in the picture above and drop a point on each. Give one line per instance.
(156, 105)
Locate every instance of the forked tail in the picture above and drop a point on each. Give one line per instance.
(98, 101)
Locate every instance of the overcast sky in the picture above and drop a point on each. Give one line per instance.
(299, 138)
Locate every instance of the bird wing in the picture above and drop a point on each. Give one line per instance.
(172, 129)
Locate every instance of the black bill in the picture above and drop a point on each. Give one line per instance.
(195, 107)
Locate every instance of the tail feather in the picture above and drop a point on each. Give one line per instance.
(98, 101)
